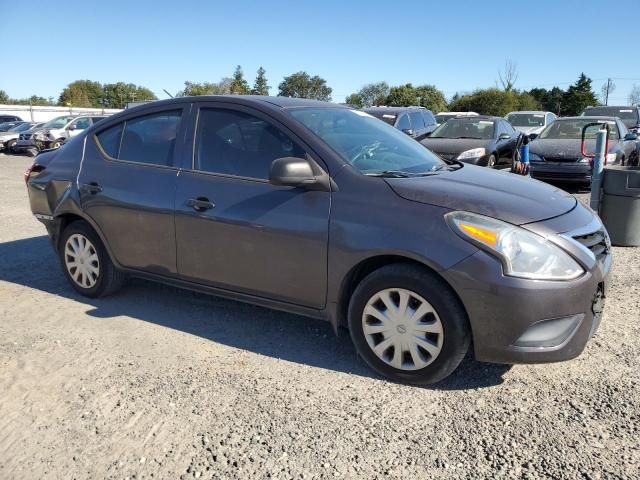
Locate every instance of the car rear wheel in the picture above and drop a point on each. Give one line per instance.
(86, 263)
(408, 324)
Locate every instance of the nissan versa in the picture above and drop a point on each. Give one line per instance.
(325, 211)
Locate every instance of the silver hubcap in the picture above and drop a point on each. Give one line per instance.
(402, 329)
(81, 260)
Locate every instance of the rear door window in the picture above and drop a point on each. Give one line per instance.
(417, 122)
(149, 139)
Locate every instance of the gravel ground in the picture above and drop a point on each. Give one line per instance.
(156, 382)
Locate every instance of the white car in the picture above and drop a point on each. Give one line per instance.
(530, 122)
(444, 116)
(55, 132)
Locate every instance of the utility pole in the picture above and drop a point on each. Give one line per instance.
(606, 95)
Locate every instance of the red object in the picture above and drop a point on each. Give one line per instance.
(606, 147)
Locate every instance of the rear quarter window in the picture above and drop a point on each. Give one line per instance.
(109, 140)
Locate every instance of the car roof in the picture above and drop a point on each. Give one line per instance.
(530, 111)
(392, 109)
(626, 107)
(277, 102)
(587, 117)
(478, 117)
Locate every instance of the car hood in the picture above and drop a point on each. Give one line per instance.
(529, 130)
(498, 194)
(563, 149)
(453, 145)
(5, 135)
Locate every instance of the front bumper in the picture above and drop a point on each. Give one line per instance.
(574, 172)
(515, 320)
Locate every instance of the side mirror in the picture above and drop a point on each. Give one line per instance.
(504, 136)
(532, 136)
(291, 172)
(631, 136)
(408, 131)
(71, 127)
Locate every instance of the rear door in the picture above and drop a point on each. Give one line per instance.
(237, 231)
(127, 184)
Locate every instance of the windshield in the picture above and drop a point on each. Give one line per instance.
(58, 122)
(443, 118)
(389, 118)
(572, 130)
(21, 127)
(465, 128)
(526, 119)
(623, 113)
(366, 143)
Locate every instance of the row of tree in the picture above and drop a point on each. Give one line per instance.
(297, 85)
(489, 101)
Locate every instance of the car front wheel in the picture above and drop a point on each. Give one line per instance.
(408, 324)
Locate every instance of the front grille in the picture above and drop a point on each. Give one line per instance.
(560, 159)
(25, 136)
(596, 242)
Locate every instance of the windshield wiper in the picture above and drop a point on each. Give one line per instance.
(390, 174)
(473, 138)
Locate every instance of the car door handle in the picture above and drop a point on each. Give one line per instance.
(200, 204)
(91, 188)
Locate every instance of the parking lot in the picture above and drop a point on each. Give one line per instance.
(164, 383)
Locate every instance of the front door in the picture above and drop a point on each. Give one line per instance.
(235, 230)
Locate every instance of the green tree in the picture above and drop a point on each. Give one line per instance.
(195, 89)
(82, 93)
(4, 97)
(301, 85)
(239, 85)
(489, 101)
(260, 86)
(117, 95)
(526, 101)
(578, 96)
(354, 99)
(402, 96)
(374, 94)
(549, 100)
(432, 98)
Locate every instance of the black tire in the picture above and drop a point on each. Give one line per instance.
(109, 279)
(437, 292)
(491, 161)
(10, 145)
(56, 143)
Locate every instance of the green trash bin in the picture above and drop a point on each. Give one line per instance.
(620, 205)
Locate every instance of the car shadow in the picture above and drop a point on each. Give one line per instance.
(31, 262)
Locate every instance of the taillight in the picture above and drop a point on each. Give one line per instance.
(32, 170)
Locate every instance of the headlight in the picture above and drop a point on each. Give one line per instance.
(473, 153)
(522, 253)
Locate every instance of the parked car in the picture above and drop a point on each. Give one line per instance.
(9, 118)
(6, 126)
(556, 153)
(630, 116)
(9, 138)
(530, 122)
(417, 122)
(478, 139)
(322, 210)
(55, 132)
(444, 116)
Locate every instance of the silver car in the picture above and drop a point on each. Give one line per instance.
(55, 132)
(9, 138)
(530, 122)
